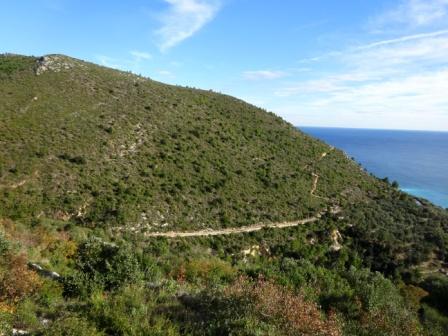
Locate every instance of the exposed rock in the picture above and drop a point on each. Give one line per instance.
(54, 63)
(335, 209)
(252, 251)
(336, 239)
(43, 272)
(255, 250)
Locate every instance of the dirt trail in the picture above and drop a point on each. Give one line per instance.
(317, 176)
(244, 229)
(315, 181)
(19, 183)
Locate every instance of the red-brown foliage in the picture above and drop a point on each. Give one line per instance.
(291, 311)
(16, 280)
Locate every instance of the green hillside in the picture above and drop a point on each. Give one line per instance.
(94, 163)
(118, 146)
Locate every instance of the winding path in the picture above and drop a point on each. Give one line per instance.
(250, 228)
(317, 176)
(243, 229)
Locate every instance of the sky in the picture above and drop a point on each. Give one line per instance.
(352, 63)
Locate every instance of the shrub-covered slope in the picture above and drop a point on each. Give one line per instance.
(102, 147)
(94, 161)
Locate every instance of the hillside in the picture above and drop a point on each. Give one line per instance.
(100, 167)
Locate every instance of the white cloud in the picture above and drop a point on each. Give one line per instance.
(414, 13)
(263, 75)
(390, 82)
(396, 82)
(378, 61)
(374, 45)
(183, 19)
(140, 55)
(417, 102)
(403, 39)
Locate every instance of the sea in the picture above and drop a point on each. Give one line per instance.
(417, 160)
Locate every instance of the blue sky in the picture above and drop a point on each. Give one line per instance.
(351, 63)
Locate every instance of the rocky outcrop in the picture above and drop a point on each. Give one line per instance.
(336, 239)
(54, 63)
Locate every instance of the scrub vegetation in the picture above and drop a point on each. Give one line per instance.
(94, 162)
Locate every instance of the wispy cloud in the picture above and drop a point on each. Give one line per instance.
(140, 55)
(404, 78)
(378, 61)
(401, 39)
(413, 13)
(264, 75)
(109, 62)
(374, 45)
(165, 73)
(132, 62)
(183, 19)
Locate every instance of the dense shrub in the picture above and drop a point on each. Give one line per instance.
(384, 309)
(130, 311)
(102, 265)
(434, 321)
(212, 270)
(72, 326)
(437, 287)
(253, 308)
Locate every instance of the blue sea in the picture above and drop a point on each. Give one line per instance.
(417, 160)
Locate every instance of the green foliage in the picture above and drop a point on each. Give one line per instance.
(72, 326)
(210, 270)
(97, 136)
(437, 287)
(4, 244)
(10, 64)
(6, 319)
(434, 321)
(102, 265)
(129, 311)
(258, 308)
(384, 310)
(86, 149)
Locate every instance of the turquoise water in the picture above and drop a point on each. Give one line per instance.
(417, 160)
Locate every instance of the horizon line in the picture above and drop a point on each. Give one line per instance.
(374, 129)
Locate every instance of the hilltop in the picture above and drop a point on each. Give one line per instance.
(98, 167)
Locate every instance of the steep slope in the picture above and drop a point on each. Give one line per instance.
(175, 211)
(103, 147)
(86, 144)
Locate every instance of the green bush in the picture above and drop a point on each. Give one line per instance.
(384, 309)
(72, 326)
(435, 322)
(129, 311)
(4, 244)
(11, 64)
(437, 287)
(102, 265)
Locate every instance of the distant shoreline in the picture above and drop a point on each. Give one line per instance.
(417, 160)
